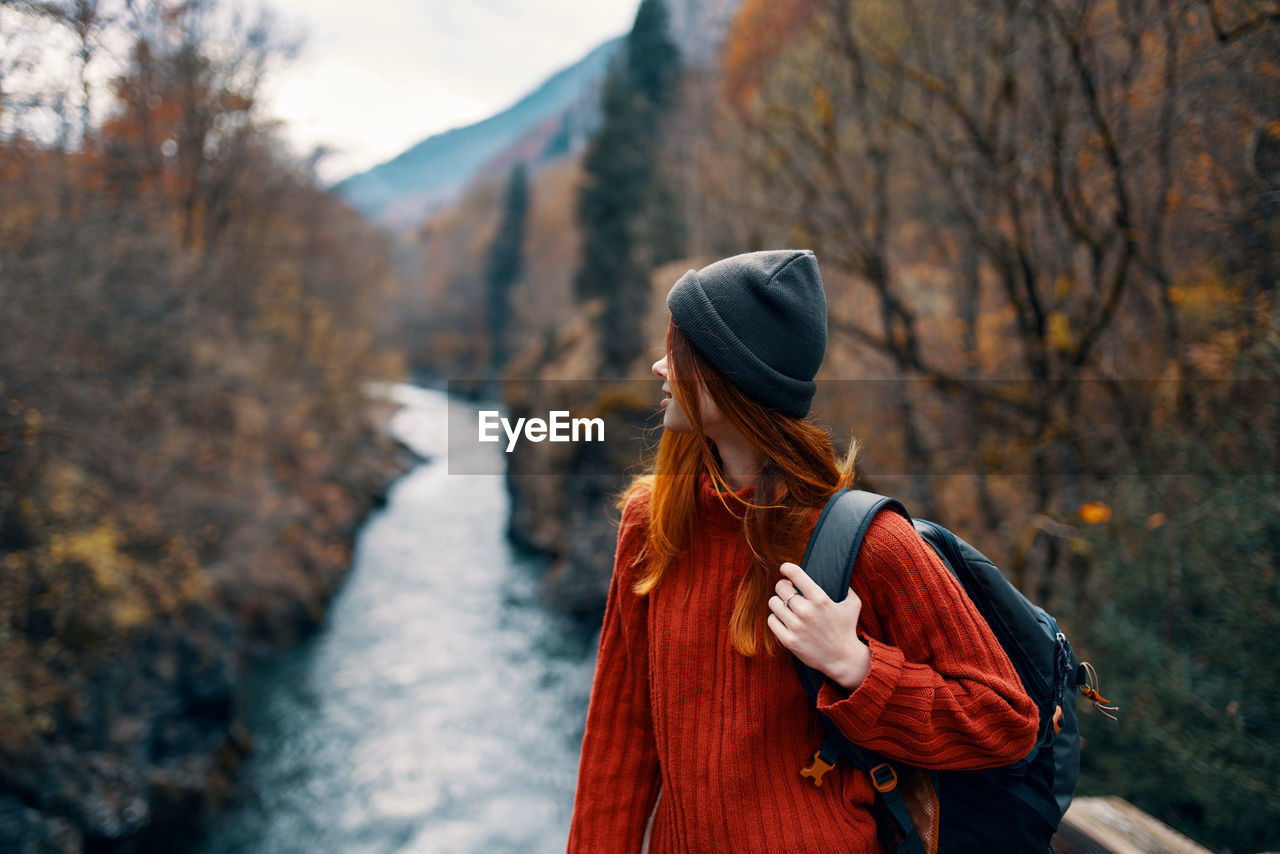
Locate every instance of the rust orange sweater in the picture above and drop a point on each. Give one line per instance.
(675, 708)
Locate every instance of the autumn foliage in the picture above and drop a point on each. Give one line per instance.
(761, 30)
(185, 443)
(1049, 236)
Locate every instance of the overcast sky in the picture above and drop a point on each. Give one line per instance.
(376, 76)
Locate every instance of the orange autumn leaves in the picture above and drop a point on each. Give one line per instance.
(761, 30)
(1095, 512)
(1099, 512)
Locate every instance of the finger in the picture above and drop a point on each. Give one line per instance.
(798, 606)
(781, 611)
(806, 585)
(853, 602)
(780, 631)
(853, 599)
(785, 589)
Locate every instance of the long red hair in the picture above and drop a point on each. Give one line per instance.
(800, 472)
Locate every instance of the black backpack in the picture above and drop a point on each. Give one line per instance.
(1012, 809)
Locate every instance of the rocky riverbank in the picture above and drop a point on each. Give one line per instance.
(119, 726)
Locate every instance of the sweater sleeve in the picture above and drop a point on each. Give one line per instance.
(618, 774)
(941, 692)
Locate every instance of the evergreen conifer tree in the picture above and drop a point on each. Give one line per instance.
(625, 207)
(506, 259)
(653, 60)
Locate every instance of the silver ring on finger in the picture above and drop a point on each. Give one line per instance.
(787, 601)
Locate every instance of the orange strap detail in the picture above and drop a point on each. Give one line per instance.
(817, 769)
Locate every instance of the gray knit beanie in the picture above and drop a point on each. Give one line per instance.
(761, 320)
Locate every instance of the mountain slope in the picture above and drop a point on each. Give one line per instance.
(402, 191)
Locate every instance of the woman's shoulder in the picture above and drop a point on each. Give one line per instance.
(635, 506)
(892, 546)
(887, 529)
(633, 531)
(892, 527)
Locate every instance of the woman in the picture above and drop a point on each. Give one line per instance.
(694, 694)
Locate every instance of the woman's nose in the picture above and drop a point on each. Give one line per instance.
(660, 367)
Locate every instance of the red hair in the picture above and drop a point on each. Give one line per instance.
(800, 472)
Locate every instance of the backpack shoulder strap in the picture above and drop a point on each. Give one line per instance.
(833, 551)
(837, 537)
(829, 560)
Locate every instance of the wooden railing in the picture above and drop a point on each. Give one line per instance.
(1112, 825)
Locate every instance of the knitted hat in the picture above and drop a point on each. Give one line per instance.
(761, 320)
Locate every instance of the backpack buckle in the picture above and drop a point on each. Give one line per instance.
(884, 778)
(817, 768)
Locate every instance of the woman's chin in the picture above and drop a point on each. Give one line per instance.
(676, 424)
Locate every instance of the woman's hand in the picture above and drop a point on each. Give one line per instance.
(821, 633)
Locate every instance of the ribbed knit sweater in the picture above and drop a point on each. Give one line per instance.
(675, 708)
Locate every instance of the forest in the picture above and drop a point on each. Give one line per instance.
(1050, 237)
(185, 448)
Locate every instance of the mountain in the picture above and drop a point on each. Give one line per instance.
(431, 174)
(556, 119)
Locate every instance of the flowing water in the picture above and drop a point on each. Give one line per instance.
(440, 707)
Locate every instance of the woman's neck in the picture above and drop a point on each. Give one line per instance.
(740, 461)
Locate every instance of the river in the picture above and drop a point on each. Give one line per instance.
(439, 709)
